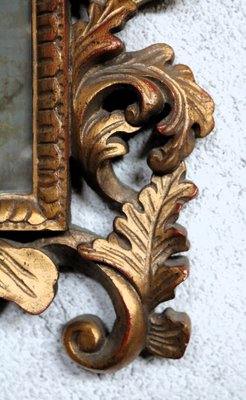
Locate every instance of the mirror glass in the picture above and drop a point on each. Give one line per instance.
(15, 97)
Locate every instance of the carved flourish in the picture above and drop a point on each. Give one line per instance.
(156, 84)
(138, 258)
(52, 109)
(139, 264)
(144, 240)
(27, 277)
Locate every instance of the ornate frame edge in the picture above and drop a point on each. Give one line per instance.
(139, 263)
(47, 207)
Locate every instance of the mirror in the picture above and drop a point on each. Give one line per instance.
(34, 109)
(16, 97)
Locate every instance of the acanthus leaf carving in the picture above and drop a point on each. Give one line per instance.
(145, 239)
(156, 83)
(27, 277)
(143, 246)
(139, 264)
(141, 250)
(169, 334)
(94, 38)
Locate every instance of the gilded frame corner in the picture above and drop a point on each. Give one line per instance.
(140, 263)
(46, 207)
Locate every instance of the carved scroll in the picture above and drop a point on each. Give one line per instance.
(139, 264)
(149, 73)
(27, 277)
(138, 259)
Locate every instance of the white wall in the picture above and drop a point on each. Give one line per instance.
(209, 36)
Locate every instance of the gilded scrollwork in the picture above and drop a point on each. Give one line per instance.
(140, 252)
(156, 83)
(139, 264)
(138, 259)
(28, 277)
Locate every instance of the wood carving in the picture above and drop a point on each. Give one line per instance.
(139, 258)
(156, 83)
(52, 110)
(46, 207)
(139, 264)
(27, 277)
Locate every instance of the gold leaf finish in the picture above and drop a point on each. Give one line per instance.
(144, 240)
(27, 277)
(169, 334)
(114, 95)
(46, 207)
(137, 267)
(144, 247)
(86, 338)
(156, 84)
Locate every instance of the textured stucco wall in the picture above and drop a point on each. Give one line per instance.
(209, 36)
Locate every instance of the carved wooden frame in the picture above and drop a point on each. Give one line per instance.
(139, 263)
(46, 207)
